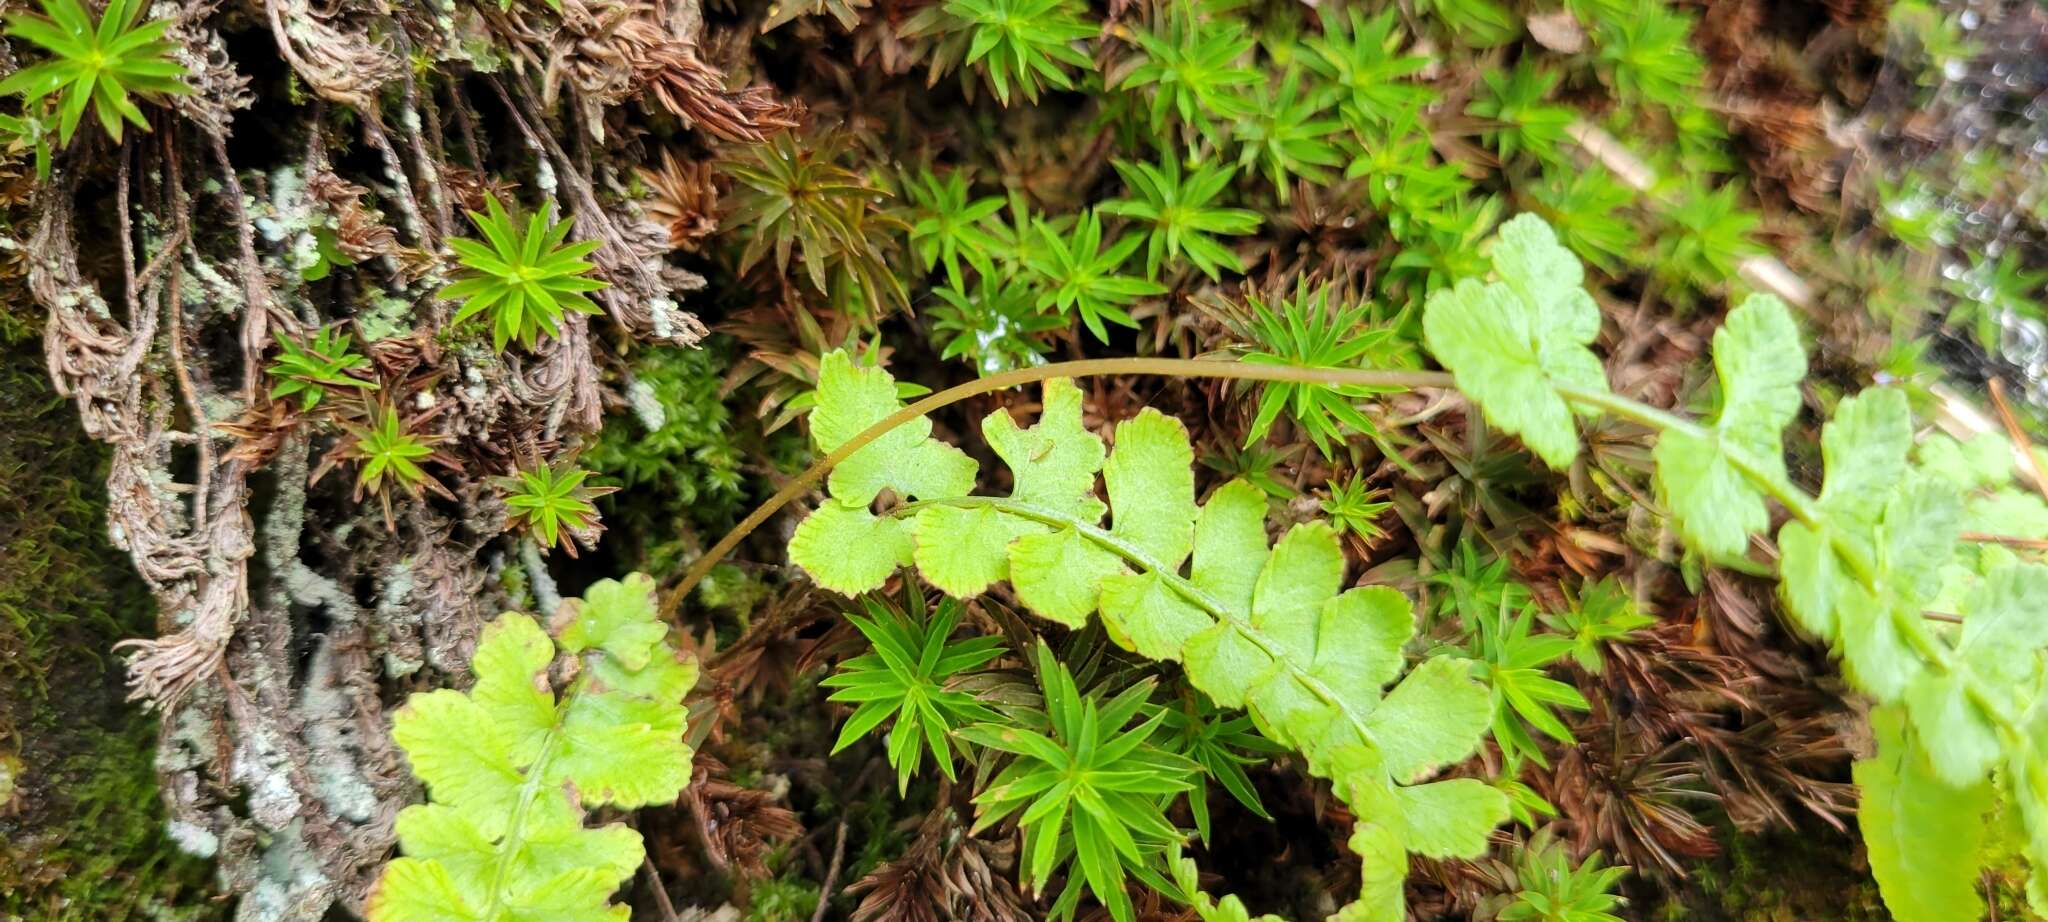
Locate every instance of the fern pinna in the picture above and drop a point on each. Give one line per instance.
(1270, 629)
(511, 766)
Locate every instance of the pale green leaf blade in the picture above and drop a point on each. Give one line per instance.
(1548, 278)
(962, 550)
(616, 617)
(456, 749)
(450, 838)
(622, 749)
(1143, 613)
(1230, 544)
(906, 459)
(1151, 484)
(1511, 343)
(1435, 717)
(1922, 522)
(510, 657)
(668, 675)
(1712, 506)
(1960, 741)
(572, 896)
(1363, 631)
(1760, 364)
(1350, 646)
(1223, 664)
(414, 890)
(1059, 575)
(1864, 447)
(1877, 653)
(1452, 819)
(1054, 462)
(849, 550)
(1924, 837)
(1809, 578)
(1306, 569)
(1383, 874)
(2005, 624)
(555, 841)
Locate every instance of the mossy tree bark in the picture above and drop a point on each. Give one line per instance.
(312, 180)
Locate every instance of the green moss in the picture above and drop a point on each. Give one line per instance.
(677, 456)
(787, 898)
(82, 826)
(1774, 877)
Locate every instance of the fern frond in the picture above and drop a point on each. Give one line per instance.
(512, 765)
(1268, 629)
(1859, 565)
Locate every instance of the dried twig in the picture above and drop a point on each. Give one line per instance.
(831, 875)
(2023, 447)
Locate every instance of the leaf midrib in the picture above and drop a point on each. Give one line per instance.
(1130, 552)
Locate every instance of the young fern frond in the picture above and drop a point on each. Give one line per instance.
(794, 200)
(948, 227)
(1093, 791)
(1000, 325)
(1647, 56)
(1266, 629)
(512, 765)
(1020, 46)
(1360, 56)
(1191, 64)
(554, 503)
(1282, 133)
(1515, 101)
(1081, 274)
(309, 368)
(1320, 327)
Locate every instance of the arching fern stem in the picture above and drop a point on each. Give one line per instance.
(1086, 368)
(1796, 501)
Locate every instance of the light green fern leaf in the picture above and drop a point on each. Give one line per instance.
(1862, 573)
(510, 767)
(1759, 362)
(1864, 449)
(617, 617)
(1998, 657)
(1925, 838)
(1861, 567)
(1512, 342)
(843, 546)
(962, 551)
(1268, 629)
(905, 459)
